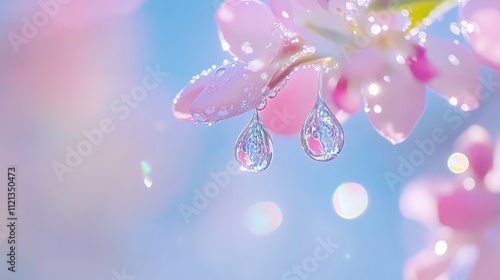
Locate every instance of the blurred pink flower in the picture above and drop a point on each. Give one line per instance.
(462, 211)
(86, 13)
(390, 76)
(481, 19)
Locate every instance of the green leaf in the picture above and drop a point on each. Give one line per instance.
(418, 10)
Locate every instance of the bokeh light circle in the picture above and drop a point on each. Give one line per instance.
(441, 247)
(263, 218)
(458, 163)
(350, 200)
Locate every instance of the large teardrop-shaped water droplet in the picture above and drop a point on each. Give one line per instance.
(322, 135)
(254, 147)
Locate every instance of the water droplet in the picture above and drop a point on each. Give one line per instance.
(263, 104)
(210, 110)
(322, 135)
(308, 49)
(211, 88)
(199, 117)
(244, 105)
(219, 72)
(224, 111)
(254, 147)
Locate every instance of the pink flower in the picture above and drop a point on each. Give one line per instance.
(371, 57)
(264, 55)
(463, 212)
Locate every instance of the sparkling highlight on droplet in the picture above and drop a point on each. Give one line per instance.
(458, 163)
(350, 200)
(263, 218)
(148, 182)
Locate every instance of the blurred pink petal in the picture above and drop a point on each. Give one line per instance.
(282, 10)
(457, 77)
(347, 97)
(365, 66)
(84, 13)
(362, 68)
(394, 106)
(427, 265)
(183, 100)
(236, 89)
(323, 3)
(477, 145)
(492, 179)
(434, 261)
(286, 113)
(468, 210)
(420, 66)
(248, 29)
(483, 18)
(418, 200)
(487, 267)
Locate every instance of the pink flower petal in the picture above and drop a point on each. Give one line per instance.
(457, 77)
(487, 267)
(324, 29)
(469, 210)
(428, 264)
(477, 145)
(483, 18)
(420, 66)
(285, 114)
(364, 67)
(418, 200)
(323, 3)
(282, 10)
(492, 179)
(248, 29)
(394, 105)
(236, 90)
(183, 100)
(347, 97)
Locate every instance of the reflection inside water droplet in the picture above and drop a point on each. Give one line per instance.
(254, 147)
